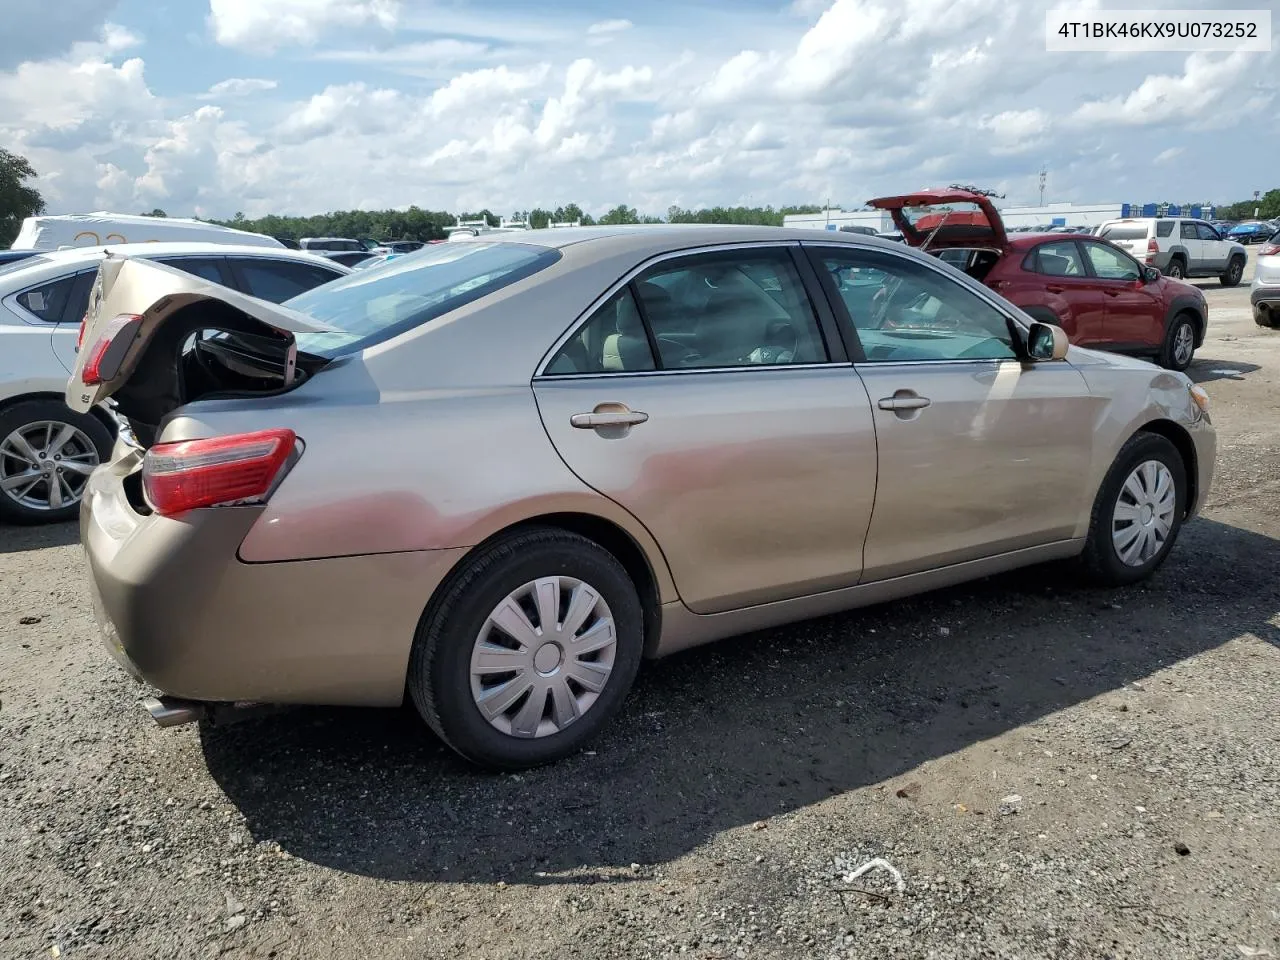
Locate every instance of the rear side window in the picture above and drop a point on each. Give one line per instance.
(370, 306)
(208, 268)
(1056, 260)
(279, 280)
(49, 300)
(612, 341)
(1130, 231)
(1164, 228)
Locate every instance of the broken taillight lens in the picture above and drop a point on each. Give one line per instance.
(221, 471)
(109, 350)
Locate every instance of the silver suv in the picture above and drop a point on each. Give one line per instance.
(1179, 247)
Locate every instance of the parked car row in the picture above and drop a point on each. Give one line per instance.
(46, 450)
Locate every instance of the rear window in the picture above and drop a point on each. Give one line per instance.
(1128, 231)
(14, 265)
(410, 290)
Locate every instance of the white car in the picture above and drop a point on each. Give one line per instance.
(1264, 296)
(1179, 247)
(46, 450)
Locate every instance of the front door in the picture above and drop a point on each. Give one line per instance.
(1053, 275)
(1135, 317)
(1189, 238)
(702, 398)
(979, 453)
(1214, 250)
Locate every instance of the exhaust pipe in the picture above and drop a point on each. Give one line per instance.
(172, 712)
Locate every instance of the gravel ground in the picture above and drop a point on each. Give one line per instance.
(1053, 772)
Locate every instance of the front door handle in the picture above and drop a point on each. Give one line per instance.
(1055, 287)
(592, 421)
(903, 401)
(1111, 293)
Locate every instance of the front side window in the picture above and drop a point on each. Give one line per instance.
(1057, 260)
(746, 308)
(1206, 232)
(1188, 231)
(207, 268)
(905, 311)
(370, 306)
(279, 280)
(1110, 264)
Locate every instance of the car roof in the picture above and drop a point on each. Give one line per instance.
(640, 238)
(177, 248)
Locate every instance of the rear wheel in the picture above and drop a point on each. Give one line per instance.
(1179, 343)
(530, 652)
(1177, 269)
(1234, 271)
(1137, 513)
(47, 452)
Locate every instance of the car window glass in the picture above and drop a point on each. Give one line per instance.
(48, 300)
(906, 311)
(204, 267)
(1163, 229)
(1207, 232)
(277, 280)
(613, 340)
(1188, 231)
(1059, 260)
(744, 309)
(1129, 231)
(1111, 264)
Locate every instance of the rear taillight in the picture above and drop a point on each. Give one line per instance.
(1269, 249)
(1152, 249)
(220, 471)
(109, 350)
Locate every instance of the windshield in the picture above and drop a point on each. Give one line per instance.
(1125, 231)
(412, 289)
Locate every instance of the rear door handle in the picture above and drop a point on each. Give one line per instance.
(1112, 293)
(612, 418)
(903, 403)
(1054, 288)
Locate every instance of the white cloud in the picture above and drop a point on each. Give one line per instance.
(238, 87)
(427, 53)
(1164, 156)
(609, 26)
(1015, 131)
(262, 26)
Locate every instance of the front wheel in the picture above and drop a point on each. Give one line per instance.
(1137, 513)
(1235, 270)
(1179, 343)
(47, 452)
(530, 652)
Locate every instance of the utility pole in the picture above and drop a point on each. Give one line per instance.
(1044, 174)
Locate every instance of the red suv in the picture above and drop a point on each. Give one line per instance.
(1100, 295)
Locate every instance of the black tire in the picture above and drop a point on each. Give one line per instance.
(1265, 318)
(28, 412)
(1168, 350)
(1234, 272)
(1101, 561)
(1177, 269)
(439, 678)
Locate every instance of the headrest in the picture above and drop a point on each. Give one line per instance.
(629, 323)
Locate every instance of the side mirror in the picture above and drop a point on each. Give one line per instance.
(1047, 342)
(1150, 274)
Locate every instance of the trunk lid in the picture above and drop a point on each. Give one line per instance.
(134, 301)
(971, 220)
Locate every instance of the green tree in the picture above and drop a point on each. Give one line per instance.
(157, 212)
(17, 200)
(621, 214)
(539, 219)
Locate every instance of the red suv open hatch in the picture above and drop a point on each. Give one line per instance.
(976, 224)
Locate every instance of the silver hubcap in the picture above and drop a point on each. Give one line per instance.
(543, 657)
(1183, 343)
(1143, 515)
(45, 465)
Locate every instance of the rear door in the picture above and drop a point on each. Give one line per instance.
(1135, 315)
(979, 453)
(1189, 239)
(1054, 276)
(60, 303)
(711, 397)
